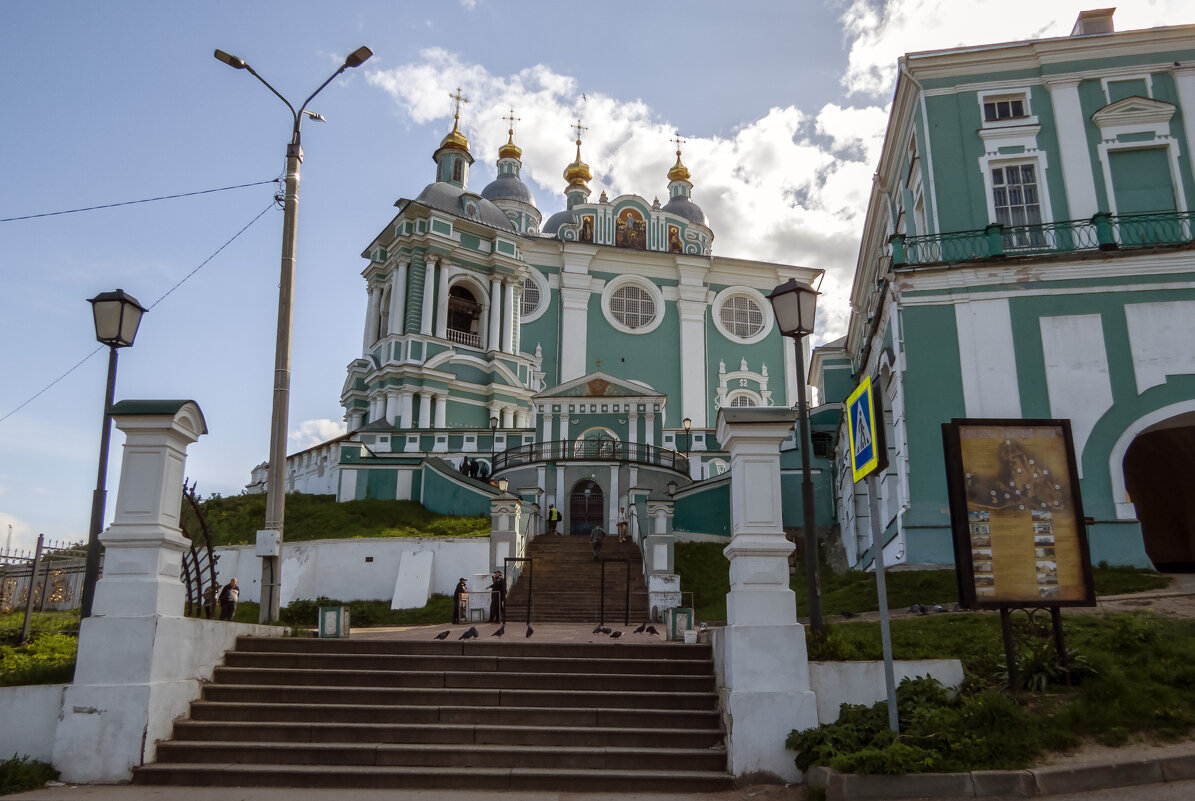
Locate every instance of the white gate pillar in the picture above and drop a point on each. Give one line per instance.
(763, 666)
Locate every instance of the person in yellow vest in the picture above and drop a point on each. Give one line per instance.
(553, 518)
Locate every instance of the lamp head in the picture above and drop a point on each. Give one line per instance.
(358, 57)
(503, 484)
(687, 423)
(493, 424)
(230, 60)
(671, 488)
(795, 305)
(117, 316)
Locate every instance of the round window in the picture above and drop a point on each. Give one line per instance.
(531, 297)
(633, 306)
(741, 316)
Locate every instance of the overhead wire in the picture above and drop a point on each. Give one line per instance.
(134, 202)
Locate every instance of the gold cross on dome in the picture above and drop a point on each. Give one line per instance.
(579, 128)
(459, 98)
(678, 141)
(511, 119)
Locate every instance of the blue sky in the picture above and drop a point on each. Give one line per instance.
(782, 105)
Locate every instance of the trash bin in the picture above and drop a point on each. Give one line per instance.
(676, 622)
(333, 621)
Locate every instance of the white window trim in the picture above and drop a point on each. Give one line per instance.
(756, 297)
(461, 277)
(1011, 122)
(1038, 159)
(657, 295)
(545, 296)
(1145, 76)
(1159, 143)
(728, 403)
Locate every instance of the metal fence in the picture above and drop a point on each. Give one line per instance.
(40, 587)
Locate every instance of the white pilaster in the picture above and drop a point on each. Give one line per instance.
(564, 423)
(547, 417)
(356, 420)
(425, 409)
(398, 297)
(442, 303)
(649, 426)
(613, 496)
(507, 417)
(371, 318)
(441, 415)
(764, 667)
(632, 426)
(692, 358)
(429, 296)
(406, 406)
(1184, 81)
(1070, 123)
(495, 333)
(392, 406)
(574, 310)
(508, 317)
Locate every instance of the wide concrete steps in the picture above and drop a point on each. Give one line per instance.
(609, 717)
(568, 583)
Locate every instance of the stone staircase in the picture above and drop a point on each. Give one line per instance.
(567, 582)
(491, 715)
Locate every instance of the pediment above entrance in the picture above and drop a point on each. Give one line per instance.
(1133, 111)
(599, 385)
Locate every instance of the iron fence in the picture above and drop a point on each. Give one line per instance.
(41, 588)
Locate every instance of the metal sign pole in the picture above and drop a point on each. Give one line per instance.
(877, 536)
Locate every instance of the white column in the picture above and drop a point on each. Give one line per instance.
(632, 426)
(508, 417)
(1069, 121)
(508, 318)
(406, 405)
(494, 335)
(546, 418)
(371, 318)
(692, 360)
(649, 424)
(425, 409)
(392, 406)
(574, 310)
(442, 303)
(429, 296)
(612, 508)
(441, 411)
(398, 298)
(1184, 81)
(765, 666)
(356, 420)
(564, 423)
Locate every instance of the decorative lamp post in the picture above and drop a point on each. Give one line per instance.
(502, 485)
(271, 578)
(795, 306)
(672, 485)
(688, 424)
(493, 440)
(117, 316)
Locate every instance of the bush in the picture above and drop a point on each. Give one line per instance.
(22, 773)
(45, 659)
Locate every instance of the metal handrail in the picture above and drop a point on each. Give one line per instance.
(610, 450)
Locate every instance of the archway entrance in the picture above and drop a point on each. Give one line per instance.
(1157, 475)
(585, 507)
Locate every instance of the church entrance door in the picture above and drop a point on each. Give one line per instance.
(585, 507)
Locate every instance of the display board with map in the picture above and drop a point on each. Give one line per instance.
(1016, 513)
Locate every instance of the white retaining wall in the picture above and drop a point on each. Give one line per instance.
(838, 683)
(354, 570)
(30, 718)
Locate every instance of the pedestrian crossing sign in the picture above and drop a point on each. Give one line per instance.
(868, 453)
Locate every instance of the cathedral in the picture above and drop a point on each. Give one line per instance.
(583, 357)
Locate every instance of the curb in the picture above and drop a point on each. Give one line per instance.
(1048, 780)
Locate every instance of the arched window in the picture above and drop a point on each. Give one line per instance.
(743, 400)
(383, 315)
(464, 317)
(531, 297)
(456, 170)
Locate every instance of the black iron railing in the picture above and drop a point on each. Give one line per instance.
(601, 450)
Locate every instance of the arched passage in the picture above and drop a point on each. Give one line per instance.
(586, 503)
(1157, 477)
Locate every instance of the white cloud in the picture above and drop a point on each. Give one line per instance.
(880, 32)
(313, 432)
(790, 187)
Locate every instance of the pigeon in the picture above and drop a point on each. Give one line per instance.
(530, 631)
(597, 629)
(470, 634)
(616, 635)
(938, 608)
(652, 630)
(846, 613)
(919, 609)
(604, 630)
(499, 632)
(640, 629)
(443, 635)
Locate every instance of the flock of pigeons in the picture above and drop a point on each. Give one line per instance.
(472, 633)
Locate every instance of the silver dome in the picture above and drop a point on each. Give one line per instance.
(508, 187)
(447, 197)
(681, 206)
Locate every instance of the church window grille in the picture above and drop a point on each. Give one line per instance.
(743, 401)
(741, 316)
(531, 297)
(633, 306)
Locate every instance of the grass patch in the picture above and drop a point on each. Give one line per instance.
(703, 571)
(362, 614)
(22, 773)
(40, 622)
(45, 659)
(236, 519)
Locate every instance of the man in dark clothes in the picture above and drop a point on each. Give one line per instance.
(461, 593)
(228, 600)
(497, 597)
(595, 538)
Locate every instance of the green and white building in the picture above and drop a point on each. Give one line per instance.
(567, 355)
(1028, 252)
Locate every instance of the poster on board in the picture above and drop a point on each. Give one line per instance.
(1016, 514)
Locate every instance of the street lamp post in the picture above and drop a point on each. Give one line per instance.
(117, 316)
(276, 480)
(795, 305)
(493, 441)
(688, 424)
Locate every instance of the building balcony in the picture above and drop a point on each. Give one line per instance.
(592, 450)
(1102, 232)
(463, 338)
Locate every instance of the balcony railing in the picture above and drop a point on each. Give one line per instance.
(1102, 232)
(464, 338)
(589, 450)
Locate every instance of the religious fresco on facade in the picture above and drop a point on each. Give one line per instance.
(674, 243)
(587, 228)
(630, 231)
(1019, 532)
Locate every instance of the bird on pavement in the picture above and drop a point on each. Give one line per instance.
(597, 629)
(530, 631)
(468, 635)
(919, 609)
(499, 632)
(604, 630)
(443, 635)
(652, 630)
(616, 635)
(846, 613)
(640, 629)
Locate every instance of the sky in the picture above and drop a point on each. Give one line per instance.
(781, 106)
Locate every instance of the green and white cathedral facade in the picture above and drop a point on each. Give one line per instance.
(1029, 252)
(583, 358)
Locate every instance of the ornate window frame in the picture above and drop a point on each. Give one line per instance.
(656, 293)
(758, 299)
(545, 295)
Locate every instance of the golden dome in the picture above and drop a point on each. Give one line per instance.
(455, 138)
(578, 171)
(510, 150)
(679, 172)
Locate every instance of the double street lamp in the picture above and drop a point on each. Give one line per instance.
(117, 316)
(795, 305)
(276, 480)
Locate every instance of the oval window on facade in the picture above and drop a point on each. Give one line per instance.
(633, 306)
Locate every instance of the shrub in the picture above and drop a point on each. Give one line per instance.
(22, 773)
(45, 659)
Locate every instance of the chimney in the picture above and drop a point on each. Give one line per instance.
(1097, 20)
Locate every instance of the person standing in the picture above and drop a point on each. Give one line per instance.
(460, 596)
(553, 518)
(622, 524)
(596, 535)
(497, 597)
(228, 600)
(209, 600)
